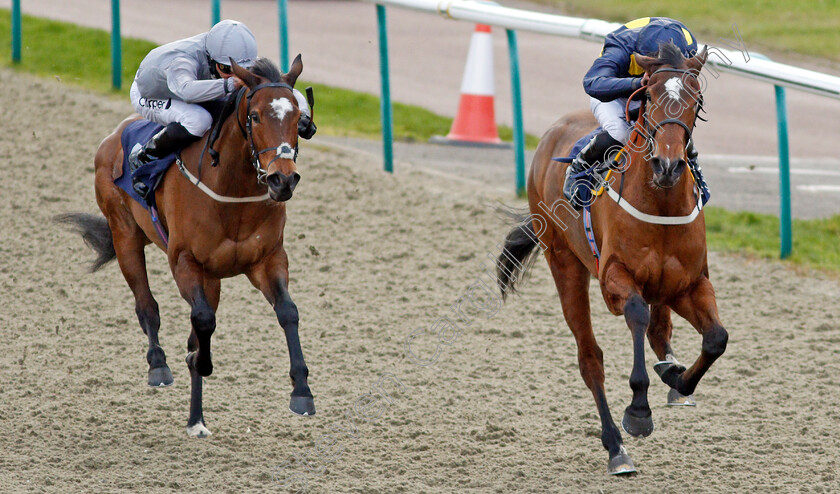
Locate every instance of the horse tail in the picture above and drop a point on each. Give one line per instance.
(520, 250)
(96, 233)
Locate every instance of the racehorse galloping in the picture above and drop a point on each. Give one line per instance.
(651, 237)
(208, 239)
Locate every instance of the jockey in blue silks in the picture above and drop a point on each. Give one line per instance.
(614, 76)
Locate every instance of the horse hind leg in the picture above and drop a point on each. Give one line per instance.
(128, 244)
(659, 336)
(572, 281)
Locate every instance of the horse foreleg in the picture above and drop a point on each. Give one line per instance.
(129, 242)
(622, 292)
(272, 279)
(699, 308)
(203, 297)
(572, 281)
(659, 336)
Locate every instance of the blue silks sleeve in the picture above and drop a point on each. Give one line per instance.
(606, 79)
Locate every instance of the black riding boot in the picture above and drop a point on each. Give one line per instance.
(694, 165)
(172, 138)
(594, 152)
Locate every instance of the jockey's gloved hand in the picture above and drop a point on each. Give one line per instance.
(306, 127)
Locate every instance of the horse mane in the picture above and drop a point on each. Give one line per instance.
(670, 54)
(265, 68)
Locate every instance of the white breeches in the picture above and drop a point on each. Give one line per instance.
(193, 117)
(610, 116)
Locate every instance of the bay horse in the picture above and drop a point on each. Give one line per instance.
(651, 238)
(230, 224)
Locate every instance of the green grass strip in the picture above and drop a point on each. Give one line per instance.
(816, 243)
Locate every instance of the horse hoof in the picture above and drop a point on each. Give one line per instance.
(621, 464)
(160, 377)
(675, 399)
(637, 426)
(302, 405)
(669, 371)
(198, 430)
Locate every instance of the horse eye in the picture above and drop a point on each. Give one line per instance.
(255, 118)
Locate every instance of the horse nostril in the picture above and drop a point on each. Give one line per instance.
(274, 181)
(295, 179)
(656, 163)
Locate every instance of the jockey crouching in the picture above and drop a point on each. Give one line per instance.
(613, 77)
(173, 78)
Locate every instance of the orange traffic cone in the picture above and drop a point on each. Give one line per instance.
(475, 123)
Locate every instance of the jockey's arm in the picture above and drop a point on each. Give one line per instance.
(183, 83)
(604, 79)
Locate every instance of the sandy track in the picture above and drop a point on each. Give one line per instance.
(373, 257)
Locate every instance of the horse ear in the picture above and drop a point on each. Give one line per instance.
(294, 72)
(650, 64)
(698, 61)
(248, 78)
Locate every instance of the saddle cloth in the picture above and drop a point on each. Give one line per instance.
(136, 134)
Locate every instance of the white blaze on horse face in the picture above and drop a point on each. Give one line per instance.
(281, 107)
(674, 86)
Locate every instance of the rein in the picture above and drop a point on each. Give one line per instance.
(284, 151)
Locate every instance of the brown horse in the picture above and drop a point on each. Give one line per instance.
(652, 260)
(208, 239)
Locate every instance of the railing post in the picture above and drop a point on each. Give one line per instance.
(116, 46)
(282, 14)
(16, 29)
(385, 100)
(215, 12)
(785, 232)
(518, 129)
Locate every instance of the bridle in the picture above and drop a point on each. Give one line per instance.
(644, 130)
(650, 131)
(284, 151)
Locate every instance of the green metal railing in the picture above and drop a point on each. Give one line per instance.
(215, 12)
(284, 34)
(385, 100)
(518, 126)
(16, 28)
(116, 46)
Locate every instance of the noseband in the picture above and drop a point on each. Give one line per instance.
(284, 151)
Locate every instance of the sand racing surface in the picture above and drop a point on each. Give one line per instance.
(374, 257)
